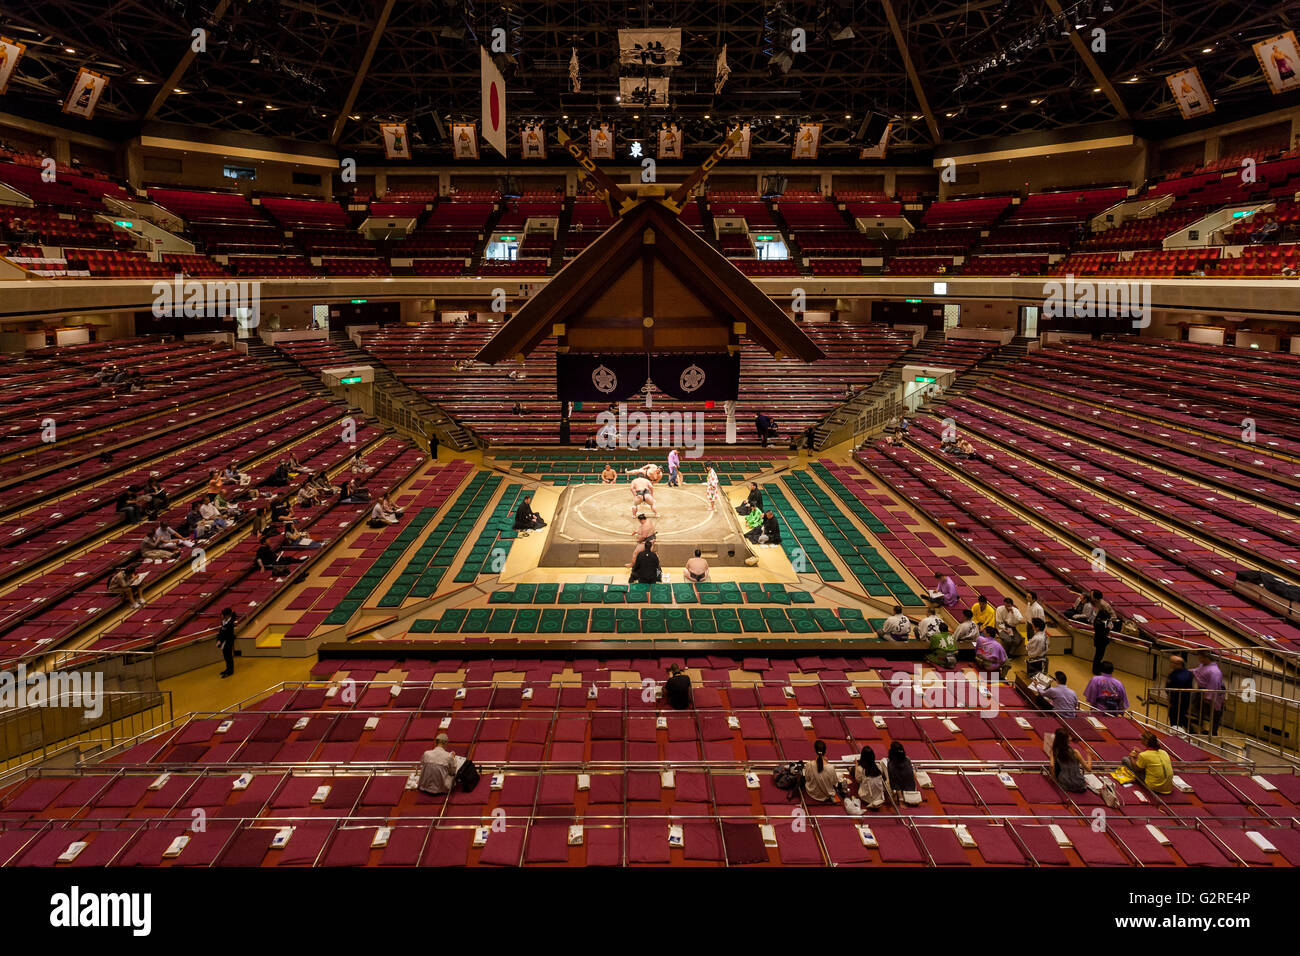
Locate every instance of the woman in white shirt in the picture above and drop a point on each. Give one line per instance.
(819, 777)
(870, 781)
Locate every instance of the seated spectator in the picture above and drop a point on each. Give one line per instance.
(526, 519)
(929, 625)
(194, 527)
(870, 780)
(1105, 691)
(900, 776)
(282, 509)
(359, 465)
(225, 506)
(307, 495)
(753, 501)
(1036, 650)
(279, 477)
(821, 781)
(677, 689)
(897, 628)
(353, 492)
(1082, 610)
(321, 482)
(990, 655)
(646, 568)
(215, 484)
(1068, 764)
(1064, 701)
(437, 768)
(590, 443)
(293, 538)
(943, 647)
(1008, 620)
(967, 631)
(125, 583)
(1151, 764)
(945, 590)
(983, 613)
(128, 503)
(295, 466)
(232, 474)
(769, 532)
(269, 558)
(153, 498)
(965, 449)
(380, 515)
(163, 538)
(211, 513)
(697, 569)
(609, 475)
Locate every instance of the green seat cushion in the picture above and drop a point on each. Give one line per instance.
(451, 620)
(501, 620)
(576, 620)
(501, 597)
(551, 621)
(526, 621)
(546, 593)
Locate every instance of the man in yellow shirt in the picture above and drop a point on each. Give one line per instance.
(983, 613)
(1152, 765)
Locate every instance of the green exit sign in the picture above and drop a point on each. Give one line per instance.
(923, 380)
(124, 223)
(359, 301)
(763, 238)
(508, 238)
(912, 301)
(354, 380)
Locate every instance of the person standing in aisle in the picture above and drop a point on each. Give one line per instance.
(226, 640)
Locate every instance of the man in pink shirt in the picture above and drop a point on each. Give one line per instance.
(1213, 692)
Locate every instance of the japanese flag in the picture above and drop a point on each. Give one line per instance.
(494, 103)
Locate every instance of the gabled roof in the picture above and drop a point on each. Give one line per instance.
(650, 233)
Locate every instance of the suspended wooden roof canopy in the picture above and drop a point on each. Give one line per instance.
(649, 284)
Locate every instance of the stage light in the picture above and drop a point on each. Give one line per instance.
(68, 49)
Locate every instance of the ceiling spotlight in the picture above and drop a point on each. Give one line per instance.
(141, 79)
(949, 115)
(917, 116)
(1003, 106)
(706, 115)
(1208, 49)
(1034, 102)
(356, 116)
(68, 49)
(618, 98)
(239, 102)
(565, 116)
(1096, 89)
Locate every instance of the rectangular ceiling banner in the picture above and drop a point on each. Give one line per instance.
(85, 94)
(1278, 58)
(650, 47)
(1190, 93)
(396, 145)
(11, 51)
